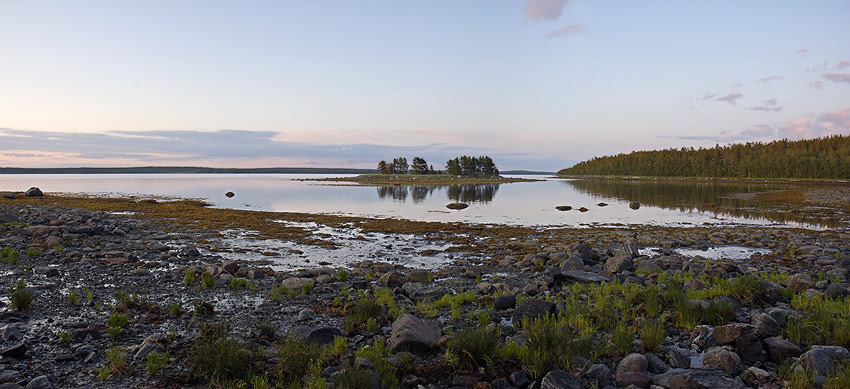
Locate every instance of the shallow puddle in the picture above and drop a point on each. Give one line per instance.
(716, 252)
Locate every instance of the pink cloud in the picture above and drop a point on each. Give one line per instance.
(837, 77)
(802, 51)
(544, 9)
(828, 123)
(731, 98)
(769, 78)
(572, 28)
(842, 65)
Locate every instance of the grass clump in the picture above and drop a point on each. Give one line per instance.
(748, 289)
(472, 348)
(218, 357)
(156, 362)
(351, 378)
(623, 338)
(189, 277)
(22, 297)
(74, 297)
(342, 274)
(651, 335)
(358, 313)
(207, 280)
(32, 251)
(306, 288)
(65, 336)
(340, 345)
(175, 309)
(116, 324)
(203, 308)
(116, 364)
(822, 320)
(237, 283)
(296, 358)
(10, 256)
(377, 354)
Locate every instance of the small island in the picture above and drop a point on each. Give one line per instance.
(460, 170)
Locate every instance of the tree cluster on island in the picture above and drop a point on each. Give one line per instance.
(467, 166)
(820, 158)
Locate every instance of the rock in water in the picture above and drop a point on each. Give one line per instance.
(602, 204)
(564, 207)
(583, 209)
(456, 205)
(634, 204)
(229, 194)
(34, 192)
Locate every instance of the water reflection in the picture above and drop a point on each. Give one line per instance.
(464, 193)
(714, 198)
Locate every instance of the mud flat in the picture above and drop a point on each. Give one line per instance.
(128, 292)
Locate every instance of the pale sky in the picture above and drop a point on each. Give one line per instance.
(536, 84)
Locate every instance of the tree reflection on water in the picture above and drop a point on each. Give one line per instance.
(708, 197)
(465, 193)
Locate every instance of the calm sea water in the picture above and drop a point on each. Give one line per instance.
(527, 203)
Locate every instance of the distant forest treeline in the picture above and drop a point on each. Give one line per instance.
(180, 170)
(821, 158)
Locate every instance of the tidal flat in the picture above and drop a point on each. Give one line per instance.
(133, 292)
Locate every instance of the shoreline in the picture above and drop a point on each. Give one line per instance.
(488, 279)
(423, 180)
(713, 180)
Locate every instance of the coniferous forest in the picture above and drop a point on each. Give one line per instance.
(820, 158)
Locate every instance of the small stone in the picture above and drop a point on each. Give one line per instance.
(765, 325)
(229, 194)
(319, 335)
(633, 362)
(532, 308)
(519, 379)
(629, 378)
(559, 379)
(730, 332)
(392, 279)
(14, 350)
(619, 264)
(307, 314)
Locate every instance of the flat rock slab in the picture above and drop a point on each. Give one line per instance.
(583, 276)
(320, 335)
(413, 334)
(559, 379)
(697, 379)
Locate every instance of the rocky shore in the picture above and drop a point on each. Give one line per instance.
(95, 296)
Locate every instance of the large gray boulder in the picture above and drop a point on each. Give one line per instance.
(823, 360)
(721, 358)
(34, 192)
(780, 349)
(619, 264)
(413, 334)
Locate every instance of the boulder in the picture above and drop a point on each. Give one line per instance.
(418, 292)
(229, 194)
(632, 379)
(559, 379)
(799, 282)
(418, 275)
(634, 205)
(837, 290)
(456, 206)
(583, 209)
(629, 248)
(780, 349)
(600, 374)
(563, 207)
(823, 360)
(721, 358)
(750, 349)
(505, 302)
(697, 379)
(728, 333)
(572, 263)
(295, 282)
(765, 325)
(414, 334)
(633, 362)
(619, 264)
(532, 308)
(13, 350)
(392, 279)
(34, 192)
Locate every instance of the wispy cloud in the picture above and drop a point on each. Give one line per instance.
(226, 148)
(837, 77)
(815, 126)
(731, 98)
(544, 9)
(564, 31)
(769, 105)
(802, 51)
(816, 84)
(842, 64)
(769, 78)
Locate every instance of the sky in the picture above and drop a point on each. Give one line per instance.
(535, 84)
